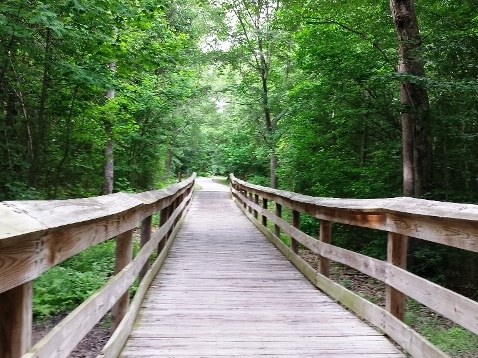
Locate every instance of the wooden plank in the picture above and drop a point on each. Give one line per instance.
(278, 213)
(294, 245)
(417, 345)
(145, 236)
(445, 223)
(450, 304)
(256, 201)
(124, 254)
(16, 322)
(24, 259)
(410, 340)
(116, 342)
(397, 256)
(62, 339)
(36, 235)
(225, 291)
(325, 236)
(264, 207)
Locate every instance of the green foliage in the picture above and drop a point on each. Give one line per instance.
(65, 286)
(455, 340)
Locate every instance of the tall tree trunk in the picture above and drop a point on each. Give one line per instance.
(109, 168)
(273, 169)
(39, 138)
(109, 148)
(417, 158)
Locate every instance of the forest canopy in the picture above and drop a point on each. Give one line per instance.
(303, 96)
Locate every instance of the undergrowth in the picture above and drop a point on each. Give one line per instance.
(63, 287)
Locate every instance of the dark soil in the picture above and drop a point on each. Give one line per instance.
(89, 347)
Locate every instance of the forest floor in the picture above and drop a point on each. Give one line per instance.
(89, 347)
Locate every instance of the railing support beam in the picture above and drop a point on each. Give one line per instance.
(163, 218)
(397, 256)
(124, 255)
(294, 244)
(264, 206)
(16, 321)
(279, 215)
(256, 201)
(325, 236)
(145, 237)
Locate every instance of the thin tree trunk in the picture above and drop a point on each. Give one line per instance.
(66, 148)
(109, 168)
(109, 148)
(417, 158)
(273, 169)
(39, 138)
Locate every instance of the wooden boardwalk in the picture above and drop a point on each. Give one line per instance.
(226, 291)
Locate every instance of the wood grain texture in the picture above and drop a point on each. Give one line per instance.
(225, 290)
(123, 256)
(36, 235)
(396, 255)
(115, 344)
(452, 305)
(63, 338)
(16, 321)
(450, 224)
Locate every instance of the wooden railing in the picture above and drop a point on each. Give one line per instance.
(36, 235)
(445, 223)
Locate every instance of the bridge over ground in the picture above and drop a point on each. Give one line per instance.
(225, 290)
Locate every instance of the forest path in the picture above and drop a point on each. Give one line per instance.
(225, 291)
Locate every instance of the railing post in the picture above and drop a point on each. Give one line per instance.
(325, 236)
(397, 256)
(177, 202)
(294, 245)
(124, 254)
(244, 193)
(251, 200)
(279, 215)
(163, 218)
(145, 237)
(171, 209)
(256, 201)
(16, 320)
(264, 206)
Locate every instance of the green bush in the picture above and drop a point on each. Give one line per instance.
(67, 285)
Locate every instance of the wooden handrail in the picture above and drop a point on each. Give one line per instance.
(36, 235)
(449, 224)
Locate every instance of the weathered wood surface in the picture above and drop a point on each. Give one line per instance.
(416, 345)
(226, 291)
(449, 224)
(450, 304)
(36, 235)
(62, 339)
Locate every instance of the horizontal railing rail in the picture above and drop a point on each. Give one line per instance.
(449, 224)
(36, 235)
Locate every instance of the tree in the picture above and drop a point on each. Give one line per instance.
(257, 49)
(417, 154)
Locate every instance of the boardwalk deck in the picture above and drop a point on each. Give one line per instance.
(226, 291)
